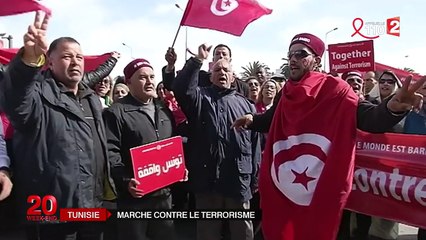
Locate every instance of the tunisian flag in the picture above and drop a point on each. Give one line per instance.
(230, 16)
(90, 62)
(307, 167)
(13, 7)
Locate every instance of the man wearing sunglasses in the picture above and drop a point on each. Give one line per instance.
(320, 110)
(388, 84)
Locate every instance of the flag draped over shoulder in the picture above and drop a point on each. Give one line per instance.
(13, 7)
(230, 16)
(307, 168)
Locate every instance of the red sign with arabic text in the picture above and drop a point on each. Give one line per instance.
(158, 164)
(390, 177)
(351, 56)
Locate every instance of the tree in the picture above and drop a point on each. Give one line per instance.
(410, 70)
(252, 68)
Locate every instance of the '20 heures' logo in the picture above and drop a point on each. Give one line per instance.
(373, 30)
(42, 209)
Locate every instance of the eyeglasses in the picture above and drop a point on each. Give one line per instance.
(253, 84)
(355, 80)
(298, 54)
(388, 81)
(104, 81)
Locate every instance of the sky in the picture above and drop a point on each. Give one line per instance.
(147, 28)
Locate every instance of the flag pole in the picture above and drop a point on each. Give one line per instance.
(180, 24)
(177, 33)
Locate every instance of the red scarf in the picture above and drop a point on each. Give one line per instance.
(172, 104)
(7, 127)
(260, 107)
(306, 172)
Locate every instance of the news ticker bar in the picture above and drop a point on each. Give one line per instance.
(102, 214)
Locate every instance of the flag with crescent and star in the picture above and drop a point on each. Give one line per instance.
(13, 7)
(307, 167)
(230, 16)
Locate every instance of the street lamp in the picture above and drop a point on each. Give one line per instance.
(9, 38)
(131, 51)
(186, 35)
(326, 48)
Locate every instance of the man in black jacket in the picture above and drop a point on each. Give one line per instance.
(58, 129)
(221, 51)
(137, 119)
(223, 163)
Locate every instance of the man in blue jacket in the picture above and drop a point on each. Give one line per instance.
(223, 163)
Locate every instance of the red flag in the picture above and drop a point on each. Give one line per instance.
(230, 16)
(93, 62)
(306, 172)
(90, 62)
(13, 7)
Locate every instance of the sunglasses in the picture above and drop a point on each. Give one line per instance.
(298, 54)
(388, 81)
(255, 84)
(355, 80)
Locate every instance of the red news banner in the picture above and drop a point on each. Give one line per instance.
(390, 177)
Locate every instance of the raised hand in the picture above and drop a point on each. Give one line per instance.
(203, 52)
(171, 57)
(406, 97)
(116, 55)
(35, 42)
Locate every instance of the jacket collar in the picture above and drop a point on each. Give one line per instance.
(83, 89)
(132, 104)
(223, 91)
(55, 93)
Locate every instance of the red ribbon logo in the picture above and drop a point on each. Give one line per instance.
(357, 29)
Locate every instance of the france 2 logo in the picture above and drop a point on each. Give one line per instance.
(373, 30)
(392, 26)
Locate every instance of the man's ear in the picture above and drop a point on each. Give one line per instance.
(317, 64)
(49, 63)
(233, 77)
(317, 60)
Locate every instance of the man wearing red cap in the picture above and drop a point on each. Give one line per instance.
(307, 168)
(137, 119)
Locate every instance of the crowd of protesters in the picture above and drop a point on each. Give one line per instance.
(68, 133)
